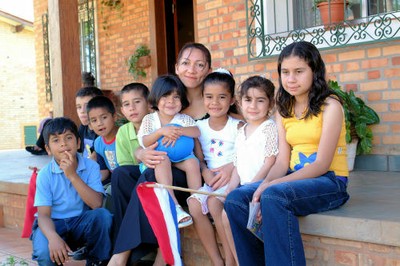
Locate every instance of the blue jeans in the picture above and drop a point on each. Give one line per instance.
(280, 204)
(92, 228)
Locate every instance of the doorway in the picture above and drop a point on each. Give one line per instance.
(174, 27)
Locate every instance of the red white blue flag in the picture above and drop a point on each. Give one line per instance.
(161, 213)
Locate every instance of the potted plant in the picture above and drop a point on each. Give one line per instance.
(358, 117)
(139, 61)
(331, 11)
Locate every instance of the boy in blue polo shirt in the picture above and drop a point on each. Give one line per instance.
(68, 196)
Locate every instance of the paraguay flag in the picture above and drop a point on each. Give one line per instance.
(161, 213)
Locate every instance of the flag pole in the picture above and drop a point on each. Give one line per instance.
(158, 185)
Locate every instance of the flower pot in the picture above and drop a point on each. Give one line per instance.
(351, 153)
(332, 12)
(144, 61)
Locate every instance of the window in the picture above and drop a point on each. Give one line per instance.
(273, 24)
(87, 37)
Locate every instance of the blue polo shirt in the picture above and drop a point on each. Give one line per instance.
(54, 189)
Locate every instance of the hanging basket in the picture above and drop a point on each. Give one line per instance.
(144, 61)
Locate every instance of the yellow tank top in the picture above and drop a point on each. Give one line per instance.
(303, 135)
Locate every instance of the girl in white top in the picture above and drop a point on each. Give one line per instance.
(174, 133)
(215, 152)
(257, 141)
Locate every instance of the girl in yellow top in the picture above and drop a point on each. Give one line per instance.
(310, 172)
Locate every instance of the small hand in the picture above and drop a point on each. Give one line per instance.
(263, 186)
(168, 142)
(58, 250)
(69, 164)
(172, 132)
(222, 176)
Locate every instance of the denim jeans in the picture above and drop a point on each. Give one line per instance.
(92, 228)
(280, 204)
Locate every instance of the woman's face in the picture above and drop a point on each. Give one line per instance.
(192, 68)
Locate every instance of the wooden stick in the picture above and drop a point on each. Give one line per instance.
(158, 185)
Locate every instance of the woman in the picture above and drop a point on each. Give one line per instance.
(312, 146)
(135, 237)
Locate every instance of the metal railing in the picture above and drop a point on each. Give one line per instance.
(46, 56)
(287, 22)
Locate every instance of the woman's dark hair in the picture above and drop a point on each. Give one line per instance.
(226, 80)
(319, 89)
(165, 85)
(263, 84)
(58, 126)
(195, 45)
(135, 86)
(101, 102)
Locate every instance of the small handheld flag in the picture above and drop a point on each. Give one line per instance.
(161, 213)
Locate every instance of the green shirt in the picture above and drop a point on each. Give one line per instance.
(126, 145)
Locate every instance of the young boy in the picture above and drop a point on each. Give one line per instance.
(134, 107)
(87, 135)
(102, 117)
(68, 196)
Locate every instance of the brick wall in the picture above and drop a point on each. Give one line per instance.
(17, 85)
(319, 251)
(12, 202)
(371, 70)
(124, 33)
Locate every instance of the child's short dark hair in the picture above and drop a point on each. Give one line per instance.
(135, 86)
(88, 91)
(101, 102)
(165, 85)
(59, 125)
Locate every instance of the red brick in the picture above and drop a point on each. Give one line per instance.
(395, 129)
(396, 60)
(375, 85)
(346, 258)
(374, 63)
(374, 96)
(351, 55)
(392, 72)
(375, 74)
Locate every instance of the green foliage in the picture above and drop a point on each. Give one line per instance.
(12, 261)
(134, 69)
(358, 116)
(113, 5)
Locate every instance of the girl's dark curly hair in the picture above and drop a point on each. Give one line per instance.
(319, 89)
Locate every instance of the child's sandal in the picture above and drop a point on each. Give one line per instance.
(184, 218)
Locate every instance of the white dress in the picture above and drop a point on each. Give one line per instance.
(218, 146)
(251, 151)
(218, 149)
